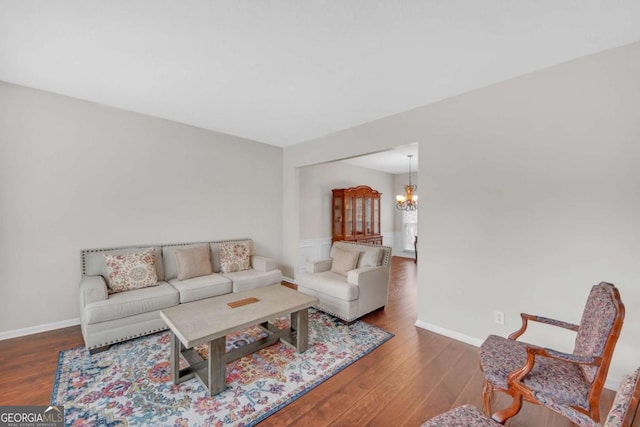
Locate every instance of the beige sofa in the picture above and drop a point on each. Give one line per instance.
(352, 285)
(110, 318)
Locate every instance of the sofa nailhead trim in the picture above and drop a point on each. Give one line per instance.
(84, 252)
(141, 334)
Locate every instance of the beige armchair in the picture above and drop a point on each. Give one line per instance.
(354, 281)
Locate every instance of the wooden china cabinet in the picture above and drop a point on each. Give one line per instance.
(356, 215)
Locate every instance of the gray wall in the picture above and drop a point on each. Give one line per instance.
(78, 175)
(529, 195)
(316, 183)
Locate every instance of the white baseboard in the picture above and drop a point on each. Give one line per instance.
(448, 333)
(39, 328)
(610, 383)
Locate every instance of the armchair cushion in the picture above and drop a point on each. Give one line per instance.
(344, 260)
(563, 381)
(330, 283)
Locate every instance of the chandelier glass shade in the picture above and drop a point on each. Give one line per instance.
(408, 201)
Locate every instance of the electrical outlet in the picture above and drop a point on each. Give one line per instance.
(498, 317)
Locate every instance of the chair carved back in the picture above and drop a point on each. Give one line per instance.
(599, 328)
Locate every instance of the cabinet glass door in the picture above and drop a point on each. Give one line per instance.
(359, 216)
(367, 215)
(348, 213)
(376, 216)
(337, 216)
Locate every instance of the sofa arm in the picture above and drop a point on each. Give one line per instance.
(318, 266)
(92, 289)
(262, 263)
(368, 275)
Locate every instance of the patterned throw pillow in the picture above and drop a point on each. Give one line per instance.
(131, 271)
(235, 257)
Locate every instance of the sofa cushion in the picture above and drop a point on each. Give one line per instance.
(344, 260)
(235, 257)
(93, 262)
(124, 304)
(202, 287)
(131, 271)
(251, 279)
(329, 283)
(193, 262)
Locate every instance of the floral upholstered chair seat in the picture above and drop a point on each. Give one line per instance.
(462, 416)
(564, 382)
(623, 405)
(621, 414)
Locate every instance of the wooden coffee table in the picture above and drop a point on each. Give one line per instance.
(210, 320)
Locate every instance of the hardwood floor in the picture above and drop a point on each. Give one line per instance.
(412, 377)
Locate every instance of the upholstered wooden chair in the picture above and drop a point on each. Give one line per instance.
(622, 413)
(575, 380)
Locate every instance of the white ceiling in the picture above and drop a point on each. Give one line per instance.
(283, 72)
(393, 161)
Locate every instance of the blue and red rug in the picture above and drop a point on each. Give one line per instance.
(130, 384)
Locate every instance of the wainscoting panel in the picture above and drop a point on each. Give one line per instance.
(312, 250)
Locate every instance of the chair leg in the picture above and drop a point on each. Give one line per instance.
(511, 411)
(487, 389)
(595, 412)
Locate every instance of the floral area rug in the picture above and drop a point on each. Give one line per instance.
(130, 384)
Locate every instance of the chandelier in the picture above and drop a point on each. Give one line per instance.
(408, 201)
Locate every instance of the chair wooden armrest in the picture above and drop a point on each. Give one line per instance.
(541, 319)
